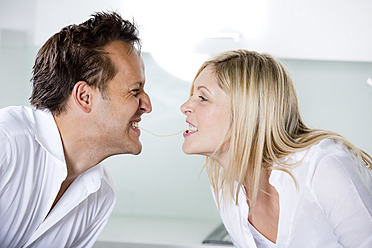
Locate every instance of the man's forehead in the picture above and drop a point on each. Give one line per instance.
(119, 48)
(123, 53)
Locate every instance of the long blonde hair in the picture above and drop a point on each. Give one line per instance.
(266, 125)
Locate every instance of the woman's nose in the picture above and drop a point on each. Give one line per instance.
(186, 108)
(145, 103)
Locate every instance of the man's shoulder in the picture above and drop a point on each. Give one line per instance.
(23, 119)
(16, 118)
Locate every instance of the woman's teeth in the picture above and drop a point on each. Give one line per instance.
(135, 124)
(192, 129)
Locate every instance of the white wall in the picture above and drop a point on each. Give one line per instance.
(334, 95)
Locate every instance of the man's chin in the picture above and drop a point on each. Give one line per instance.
(137, 149)
(137, 153)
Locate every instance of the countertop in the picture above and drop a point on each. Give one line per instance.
(147, 232)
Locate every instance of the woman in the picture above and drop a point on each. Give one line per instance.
(276, 182)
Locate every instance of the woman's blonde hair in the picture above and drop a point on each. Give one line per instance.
(266, 125)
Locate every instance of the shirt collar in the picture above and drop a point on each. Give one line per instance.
(47, 134)
(92, 178)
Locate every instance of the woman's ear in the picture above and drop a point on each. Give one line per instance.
(82, 95)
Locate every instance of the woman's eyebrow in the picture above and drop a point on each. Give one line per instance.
(203, 87)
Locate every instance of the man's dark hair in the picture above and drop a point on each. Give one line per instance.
(76, 54)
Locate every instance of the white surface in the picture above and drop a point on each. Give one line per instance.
(158, 231)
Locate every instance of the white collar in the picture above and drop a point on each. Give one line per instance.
(47, 134)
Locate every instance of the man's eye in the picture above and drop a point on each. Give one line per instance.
(135, 91)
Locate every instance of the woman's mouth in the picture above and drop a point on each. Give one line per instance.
(192, 129)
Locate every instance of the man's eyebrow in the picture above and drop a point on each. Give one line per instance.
(139, 84)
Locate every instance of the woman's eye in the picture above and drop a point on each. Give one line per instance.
(202, 98)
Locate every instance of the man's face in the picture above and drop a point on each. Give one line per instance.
(123, 103)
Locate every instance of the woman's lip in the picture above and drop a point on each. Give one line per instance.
(190, 123)
(186, 133)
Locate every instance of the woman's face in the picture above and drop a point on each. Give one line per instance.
(207, 113)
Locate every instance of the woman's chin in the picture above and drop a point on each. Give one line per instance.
(188, 150)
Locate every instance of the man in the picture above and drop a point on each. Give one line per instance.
(88, 91)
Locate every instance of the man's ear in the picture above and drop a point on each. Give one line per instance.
(82, 95)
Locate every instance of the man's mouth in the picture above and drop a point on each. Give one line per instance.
(135, 124)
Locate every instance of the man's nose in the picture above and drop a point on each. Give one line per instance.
(145, 103)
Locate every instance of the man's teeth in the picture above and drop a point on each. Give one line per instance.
(135, 124)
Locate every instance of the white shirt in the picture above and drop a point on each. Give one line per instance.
(332, 206)
(260, 240)
(32, 168)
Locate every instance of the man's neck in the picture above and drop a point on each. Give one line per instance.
(80, 151)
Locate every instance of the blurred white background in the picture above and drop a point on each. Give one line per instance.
(326, 46)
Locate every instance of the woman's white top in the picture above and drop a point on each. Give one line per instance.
(261, 241)
(331, 206)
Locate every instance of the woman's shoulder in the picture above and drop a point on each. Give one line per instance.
(321, 150)
(329, 145)
(328, 156)
(331, 159)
